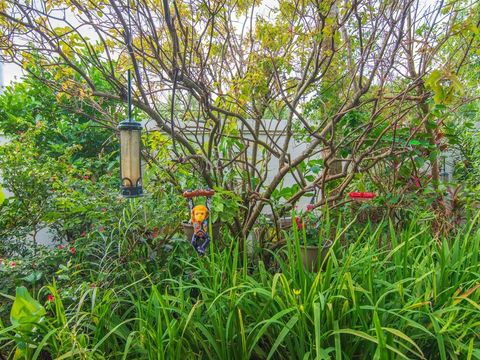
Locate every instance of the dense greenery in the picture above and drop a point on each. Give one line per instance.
(274, 105)
(386, 294)
(365, 88)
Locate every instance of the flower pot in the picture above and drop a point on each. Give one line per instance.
(188, 230)
(312, 256)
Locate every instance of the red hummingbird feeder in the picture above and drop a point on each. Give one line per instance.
(361, 196)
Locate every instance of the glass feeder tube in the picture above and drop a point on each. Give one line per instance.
(130, 158)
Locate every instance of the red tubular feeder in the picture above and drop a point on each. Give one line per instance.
(361, 195)
(196, 193)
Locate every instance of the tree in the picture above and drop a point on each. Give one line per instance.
(343, 76)
(49, 165)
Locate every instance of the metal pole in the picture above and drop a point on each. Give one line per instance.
(129, 96)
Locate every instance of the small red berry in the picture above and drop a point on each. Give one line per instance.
(72, 250)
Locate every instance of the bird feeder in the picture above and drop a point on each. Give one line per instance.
(361, 196)
(130, 158)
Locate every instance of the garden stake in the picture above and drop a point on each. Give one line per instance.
(199, 213)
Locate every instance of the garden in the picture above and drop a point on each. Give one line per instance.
(240, 180)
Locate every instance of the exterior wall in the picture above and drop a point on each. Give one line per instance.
(273, 129)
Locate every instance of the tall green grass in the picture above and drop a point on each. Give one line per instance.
(387, 294)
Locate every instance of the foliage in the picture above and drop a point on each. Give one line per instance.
(315, 227)
(62, 173)
(334, 76)
(390, 293)
(25, 316)
(52, 160)
(464, 145)
(370, 94)
(225, 206)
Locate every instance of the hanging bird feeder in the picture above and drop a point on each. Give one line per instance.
(130, 140)
(361, 196)
(130, 158)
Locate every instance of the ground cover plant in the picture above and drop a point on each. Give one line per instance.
(389, 294)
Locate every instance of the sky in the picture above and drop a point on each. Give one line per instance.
(11, 72)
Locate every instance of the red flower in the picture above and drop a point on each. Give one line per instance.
(101, 229)
(61, 247)
(72, 250)
(13, 264)
(50, 298)
(104, 210)
(310, 207)
(85, 177)
(83, 234)
(299, 223)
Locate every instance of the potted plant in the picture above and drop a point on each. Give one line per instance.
(314, 236)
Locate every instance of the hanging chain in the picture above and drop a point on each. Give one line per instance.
(129, 74)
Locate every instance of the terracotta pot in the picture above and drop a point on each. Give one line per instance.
(312, 256)
(188, 230)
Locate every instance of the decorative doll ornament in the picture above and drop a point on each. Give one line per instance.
(199, 218)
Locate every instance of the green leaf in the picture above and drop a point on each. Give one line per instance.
(33, 277)
(315, 169)
(433, 79)
(2, 195)
(25, 310)
(288, 326)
